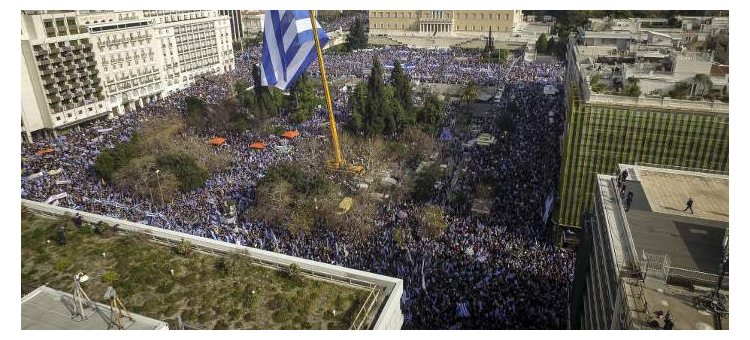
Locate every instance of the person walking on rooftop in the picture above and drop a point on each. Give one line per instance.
(689, 205)
(628, 200)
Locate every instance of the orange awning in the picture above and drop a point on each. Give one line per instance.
(290, 134)
(217, 141)
(258, 145)
(45, 151)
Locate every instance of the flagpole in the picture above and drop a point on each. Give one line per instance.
(331, 118)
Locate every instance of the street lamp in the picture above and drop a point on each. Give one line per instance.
(161, 193)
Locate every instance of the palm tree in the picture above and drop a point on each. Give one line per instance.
(470, 93)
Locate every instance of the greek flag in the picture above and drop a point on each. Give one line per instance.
(288, 47)
(548, 206)
(462, 309)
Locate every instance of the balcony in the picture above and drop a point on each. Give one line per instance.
(65, 87)
(40, 52)
(56, 60)
(94, 72)
(67, 96)
(47, 72)
(50, 90)
(48, 80)
(53, 98)
(88, 46)
(77, 47)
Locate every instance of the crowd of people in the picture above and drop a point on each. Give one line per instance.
(491, 271)
(343, 22)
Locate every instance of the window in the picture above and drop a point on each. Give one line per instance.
(506, 16)
(48, 23)
(71, 21)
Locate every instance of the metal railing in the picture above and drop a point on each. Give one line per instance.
(659, 266)
(213, 247)
(683, 168)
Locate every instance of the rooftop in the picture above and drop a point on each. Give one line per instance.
(661, 238)
(208, 291)
(47, 308)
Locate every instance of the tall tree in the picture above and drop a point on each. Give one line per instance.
(430, 115)
(632, 88)
(267, 102)
(470, 93)
(302, 99)
(356, 38)
(357, 104)
(376, 101)
(402, 86)
(541, 44)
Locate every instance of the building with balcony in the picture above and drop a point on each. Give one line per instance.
(130, 58)
(644, 259)
(193, 43)
(604, 127)
(60, 81)
(79, 66)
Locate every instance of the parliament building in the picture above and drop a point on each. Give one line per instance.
(444, 22)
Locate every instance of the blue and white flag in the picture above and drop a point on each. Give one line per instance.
(462, 309)
(548, 206)
(288, 47)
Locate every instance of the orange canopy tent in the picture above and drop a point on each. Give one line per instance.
(290, 134)
(45, 151)
(217, 141)
(258, 145)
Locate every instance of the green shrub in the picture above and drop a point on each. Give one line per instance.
(185, 168)
(109, 278)
(61, 265)
(111, 160)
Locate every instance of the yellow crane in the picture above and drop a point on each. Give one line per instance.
(338, 162)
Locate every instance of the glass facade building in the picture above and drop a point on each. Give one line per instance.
(601, 134)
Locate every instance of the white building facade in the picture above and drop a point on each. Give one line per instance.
(79, 66)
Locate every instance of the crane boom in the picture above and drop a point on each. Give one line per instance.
(338, 161)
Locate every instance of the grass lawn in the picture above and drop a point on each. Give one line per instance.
(209, 292)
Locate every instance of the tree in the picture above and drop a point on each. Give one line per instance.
(632, 89)
(357, 104)
(402, 86)
(375, 108)
(470, 93)
(111, 160)
(302, 99)
(185, 168)
(551, 45)
(424, 184)
(541, 44)
(431, 222)
(680, 91)
(356, 39)
(430, 115)
(597, 85)
(702, 81)
(266, 102)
